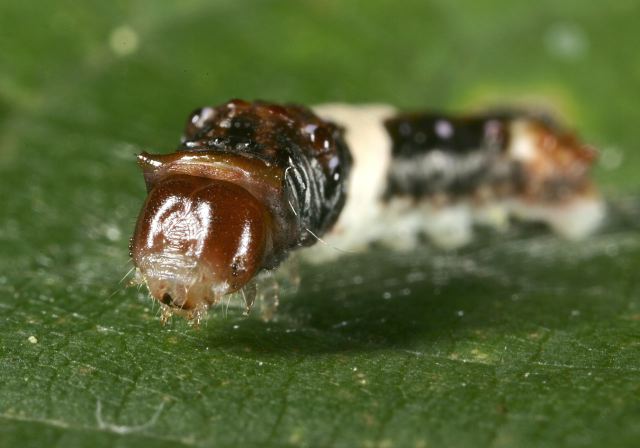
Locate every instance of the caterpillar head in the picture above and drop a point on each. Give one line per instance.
(197, 239)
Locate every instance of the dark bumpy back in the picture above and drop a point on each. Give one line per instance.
(312, 154)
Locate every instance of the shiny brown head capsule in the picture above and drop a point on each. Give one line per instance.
(198, 238)
(250, 182)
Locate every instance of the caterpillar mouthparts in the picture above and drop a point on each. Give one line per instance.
(252, 181)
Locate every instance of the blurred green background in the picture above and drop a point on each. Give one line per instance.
(520, 340)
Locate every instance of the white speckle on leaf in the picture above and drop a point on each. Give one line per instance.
(296, 437)
(611, 158)
(112, 233)
(123, 40)
(414, 277)
(105, 330)
(566, 41)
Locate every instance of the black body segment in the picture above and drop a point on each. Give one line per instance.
(438, 154)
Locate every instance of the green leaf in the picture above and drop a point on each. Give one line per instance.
(519, 340)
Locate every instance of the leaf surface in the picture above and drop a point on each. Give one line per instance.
(518, 340)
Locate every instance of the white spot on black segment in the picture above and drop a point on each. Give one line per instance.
(203, 115)
(444, 129)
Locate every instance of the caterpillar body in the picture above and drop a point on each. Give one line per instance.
(251, 182)
(439, 174)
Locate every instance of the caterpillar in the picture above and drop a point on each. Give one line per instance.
(252, 181)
